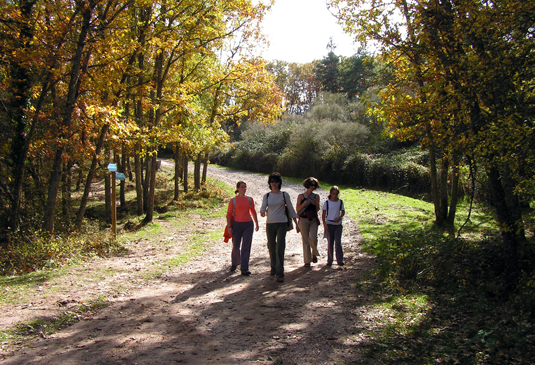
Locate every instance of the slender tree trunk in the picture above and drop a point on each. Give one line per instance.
(443, 187)
(107, 196)
(205, 168)
(146, 182)
(434, 185)
(139, 180)
(90, 177)
(152, 190)
(197, 173)
(72, 95)
(511, 227)
(122, 184)
(20, 77)
(454, 191)
(66, 199)
(177, 172)
(185, 179)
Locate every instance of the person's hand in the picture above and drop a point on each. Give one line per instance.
(337, 219)
(262, 213)
(297, 229)
(257, 228)
(229, 229)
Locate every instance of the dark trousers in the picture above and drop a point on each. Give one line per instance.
(276, 236)
(242, 235)
(335, 239)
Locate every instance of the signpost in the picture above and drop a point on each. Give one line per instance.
(113, 169)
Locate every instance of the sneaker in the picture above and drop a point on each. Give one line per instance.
(246, 273)
(342, 264)
(233, 268)
(280, 280)
(314, 259)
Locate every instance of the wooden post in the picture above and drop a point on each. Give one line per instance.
(113, 169)
(113, 205)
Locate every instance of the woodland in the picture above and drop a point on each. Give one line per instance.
(438, 105)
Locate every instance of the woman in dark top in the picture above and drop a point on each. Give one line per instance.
(308, 205)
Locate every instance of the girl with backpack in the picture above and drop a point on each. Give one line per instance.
(333, 212)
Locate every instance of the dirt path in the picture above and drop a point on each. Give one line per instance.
(202, 313)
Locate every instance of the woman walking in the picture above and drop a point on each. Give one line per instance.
(277, 205)
(240, 216)
(308, 205)
(333, 212)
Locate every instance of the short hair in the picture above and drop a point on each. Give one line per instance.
(275, 176)
(311, 181)
(238, 186)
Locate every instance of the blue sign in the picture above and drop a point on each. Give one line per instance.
(112, 167)
(120, 176)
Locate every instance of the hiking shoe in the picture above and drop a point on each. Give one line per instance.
(246, 273)
(314, 259)
(233, 268)
(280, 280)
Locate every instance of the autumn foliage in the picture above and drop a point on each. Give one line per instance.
(87, 82)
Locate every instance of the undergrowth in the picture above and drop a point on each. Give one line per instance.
(443, 298)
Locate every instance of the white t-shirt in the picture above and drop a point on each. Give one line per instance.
(333, 211)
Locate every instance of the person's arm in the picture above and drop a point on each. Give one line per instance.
(324, 216)
(253, 214)
(291, 209)
(317, 202)
(264, 206)
(301, 203)
(229, 215)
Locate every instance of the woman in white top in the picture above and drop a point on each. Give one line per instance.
(274, 205)
(333, 212)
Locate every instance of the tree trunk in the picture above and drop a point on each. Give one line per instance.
(511, 227)
(72, 95)
(178, 172)
(185, 179)
(66, 199)
(205, 168)
(90, 177)
(139, 179)
(107, 196)
(434, 185)
(122, 184)
(146, 182)
(152, 190)
(443, 187)
(197, 173)
(454, 192)
(20, 77)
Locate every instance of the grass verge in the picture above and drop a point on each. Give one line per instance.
(441, 297)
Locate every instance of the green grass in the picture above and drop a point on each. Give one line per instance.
(438, 296)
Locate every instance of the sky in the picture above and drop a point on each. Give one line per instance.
(299, 31)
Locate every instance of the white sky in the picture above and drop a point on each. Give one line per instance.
(299, 31)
